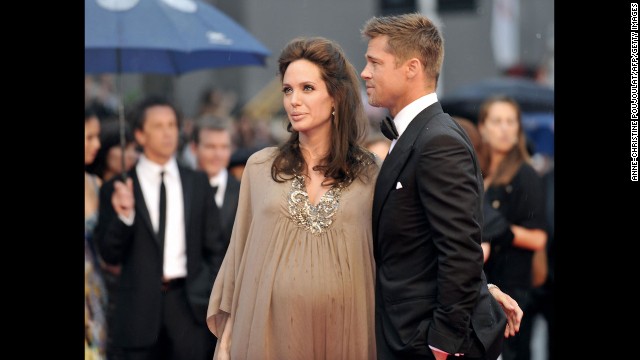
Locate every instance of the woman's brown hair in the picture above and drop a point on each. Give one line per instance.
(346, 158)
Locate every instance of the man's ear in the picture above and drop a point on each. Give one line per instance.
(139, 137)
(414, 67)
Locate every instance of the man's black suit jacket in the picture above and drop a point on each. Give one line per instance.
(138, 310)
(427, 221)
(228, 216)
(230, 205)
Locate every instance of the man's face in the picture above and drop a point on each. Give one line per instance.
(159, 134)
(384, 81)
(213, 151)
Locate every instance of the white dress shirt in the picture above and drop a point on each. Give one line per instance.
(404, 117)
(175, 256)
(220, 181)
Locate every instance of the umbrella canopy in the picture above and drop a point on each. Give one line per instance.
(164, 37)
(466, 100)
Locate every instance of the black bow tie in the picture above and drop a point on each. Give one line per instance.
(388, 128)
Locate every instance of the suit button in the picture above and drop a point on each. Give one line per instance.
(495, 204)
(509, 189)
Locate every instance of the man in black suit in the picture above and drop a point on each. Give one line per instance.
(432, 299)
(211, 145)
(163, 229)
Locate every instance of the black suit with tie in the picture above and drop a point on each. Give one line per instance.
(427, 221)
(227, 217)
(230, 205)
(143, 307)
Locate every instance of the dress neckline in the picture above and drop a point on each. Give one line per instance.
(302, 186)
(314, 218)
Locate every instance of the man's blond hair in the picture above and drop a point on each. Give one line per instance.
(410, 35)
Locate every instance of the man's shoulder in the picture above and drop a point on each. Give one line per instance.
(442, 124)
(199, 177)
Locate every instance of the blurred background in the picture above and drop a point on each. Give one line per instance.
(484, 39)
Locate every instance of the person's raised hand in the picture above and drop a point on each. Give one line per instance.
(122, 198)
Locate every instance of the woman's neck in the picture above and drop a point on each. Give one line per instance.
(496, 159)
(313, 149)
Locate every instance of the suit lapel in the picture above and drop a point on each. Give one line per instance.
(396, 161)
(187, 189)
(230, 200)
(390, 170)
(141, 206)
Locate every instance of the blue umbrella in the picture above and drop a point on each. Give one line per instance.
(165, 37)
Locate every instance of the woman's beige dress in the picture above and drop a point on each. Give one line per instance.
(297, 279)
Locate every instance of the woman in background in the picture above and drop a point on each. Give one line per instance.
(108, 161)
(94, 290)
(514, 190)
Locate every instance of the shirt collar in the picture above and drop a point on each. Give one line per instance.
(146, 166)
(409, 112)
(219, 179)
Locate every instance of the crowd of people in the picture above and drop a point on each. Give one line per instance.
(336, 243)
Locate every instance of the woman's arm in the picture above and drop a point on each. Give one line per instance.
(223, 347)
(531, 239)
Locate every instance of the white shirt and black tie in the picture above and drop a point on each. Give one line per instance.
(409, 112)
(149, 177)
(219, 184)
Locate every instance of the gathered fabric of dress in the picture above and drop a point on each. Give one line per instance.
(95, 295)
(297, 279)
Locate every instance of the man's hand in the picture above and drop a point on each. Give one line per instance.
(122, 198)
(440, 355)
(511, 309)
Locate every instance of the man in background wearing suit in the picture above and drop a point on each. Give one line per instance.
(432, 299)
(211, 145)
(163, 229)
